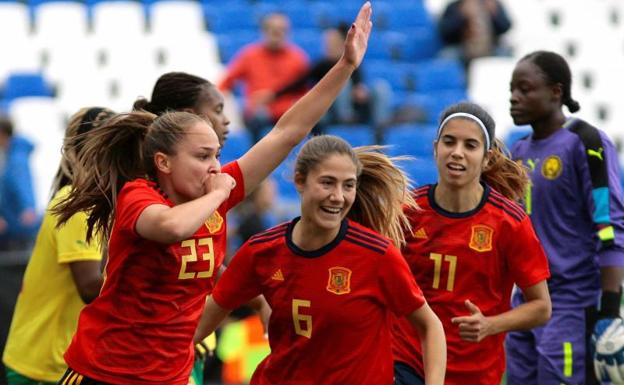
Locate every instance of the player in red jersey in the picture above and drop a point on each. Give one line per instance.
(154, 187)
(330, 281)
(468, 245)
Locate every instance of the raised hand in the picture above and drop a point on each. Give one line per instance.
(357, 37)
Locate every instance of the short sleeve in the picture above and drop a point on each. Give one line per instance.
(238, 193)
(525, 256)
(71, 245)
(133, 199)
(398, 286)
(238, 284)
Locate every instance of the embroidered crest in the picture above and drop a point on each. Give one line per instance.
(339, 280)
(552, 167)
(481, 238)
(214, 223)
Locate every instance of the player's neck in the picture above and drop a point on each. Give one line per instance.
(308, 236)
(166, 186)
(544, 128)
(458, 199)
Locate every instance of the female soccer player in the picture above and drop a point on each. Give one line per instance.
(469, 244)
(179, 91)
(330, 281)
(155, 189)
(576, 204)
(63, 274)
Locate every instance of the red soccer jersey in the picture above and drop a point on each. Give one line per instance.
(477, 255)
(330, 306)
(139, 330)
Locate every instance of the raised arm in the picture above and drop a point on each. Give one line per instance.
(299, 120)
(166, 224)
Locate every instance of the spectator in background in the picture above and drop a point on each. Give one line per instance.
(18, 218)
(473, 28)
(267, 65)
(355, 104)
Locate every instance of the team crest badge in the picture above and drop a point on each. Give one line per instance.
(552, 167)
(214, 223)
(339, 280)
(481, 239)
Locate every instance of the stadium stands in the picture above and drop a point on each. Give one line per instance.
(109, 52)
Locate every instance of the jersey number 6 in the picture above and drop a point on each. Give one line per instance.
(299, 319)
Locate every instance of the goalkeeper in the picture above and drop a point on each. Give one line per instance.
(576, 205)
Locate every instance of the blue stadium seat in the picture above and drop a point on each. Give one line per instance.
(263, 8)
(516, 134)
(439, 74)
(397, 74)
(283, 176)
(26, 84)
(356, 135)
(310, 40)
(433, 103)
(421, 171)
(407, 45)
(388, 45)
(233, 18)
(230, 43)
(422, 43)
(411, 139)
(302, 15)
(237, 144)
(406, 14)
(330, 13)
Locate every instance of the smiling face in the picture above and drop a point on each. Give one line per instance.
(194, 157)
(460, 154)
(210, 106)
(533, 98)
(327, 192)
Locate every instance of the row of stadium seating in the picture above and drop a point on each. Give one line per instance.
(110, 52)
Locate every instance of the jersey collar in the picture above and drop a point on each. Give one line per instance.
(466, 214)
(344, 225)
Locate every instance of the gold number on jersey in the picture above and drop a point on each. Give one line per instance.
(437, 270)
(299, 319)
(192, 257)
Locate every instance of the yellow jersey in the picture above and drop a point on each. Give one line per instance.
(48, 305)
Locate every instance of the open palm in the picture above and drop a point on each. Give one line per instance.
(357, 38)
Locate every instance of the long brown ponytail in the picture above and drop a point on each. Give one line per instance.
(80, 123)
(504, 175)
(383, 194)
